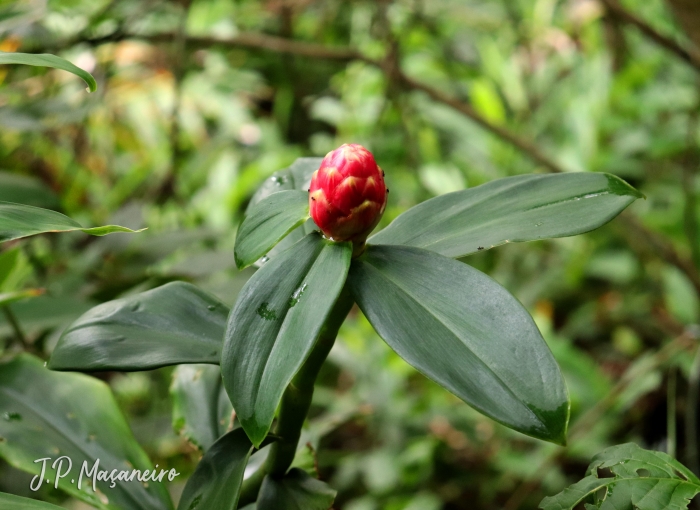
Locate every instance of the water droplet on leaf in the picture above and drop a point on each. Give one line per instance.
(296, 296)
(266, 313)
(12, 416)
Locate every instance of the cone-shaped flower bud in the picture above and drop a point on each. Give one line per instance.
(348, 195)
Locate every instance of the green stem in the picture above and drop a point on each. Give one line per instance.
(296, 402)
(671, 413)
(14, 323)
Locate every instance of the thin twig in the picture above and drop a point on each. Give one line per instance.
(16, 328)
(671, 413)
(691, 416)
(689, 56)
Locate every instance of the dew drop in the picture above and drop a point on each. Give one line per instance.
(195, 503)
(266, 313)
(264, 259)
(296, 296)
(538, 224)
(135, 307)
(211, 308)
(12, 416)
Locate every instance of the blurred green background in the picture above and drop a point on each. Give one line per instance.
(199, 101)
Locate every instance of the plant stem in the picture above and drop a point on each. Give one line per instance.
(14, 323)
(296, 402)
(691, 416)
(671, 413)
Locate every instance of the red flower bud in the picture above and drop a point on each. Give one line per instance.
(348, 195)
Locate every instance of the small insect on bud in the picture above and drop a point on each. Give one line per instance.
(348, 195)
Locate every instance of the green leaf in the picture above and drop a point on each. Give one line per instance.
(296, 177)
(268, 222)
(26, 190)
(642, 480)
(296, 491)
(275, 323)
(46, 414)
(464, 331)
(515, 209)
(201, 407)
(216, 483)
(18, 220)
(9, 501)
(47, 60)
(172, 324)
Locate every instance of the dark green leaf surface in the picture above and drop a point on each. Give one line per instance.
(216, 483)
(49, 414)
(296, 491)
(18, 220)
(10, 502)
(22, 189)
(642, 480)
(201, 407)
(515, 209)
(467, 333)
(172, 324)
(47, 60)
(296, 177)
(274, 325)
(268, 222)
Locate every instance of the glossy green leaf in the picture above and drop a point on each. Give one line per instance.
(22, 189)
(296, 491)
(18, 220)
(216, 482)
(642, 480)
(47, 60)
(201, 407)
(295, 177)
(467, 333)
(172, 324)
(268, 222)
(47, 414)
(515, 209)
(10, 502)
(274, 325)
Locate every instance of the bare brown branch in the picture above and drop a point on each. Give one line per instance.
(689, 55)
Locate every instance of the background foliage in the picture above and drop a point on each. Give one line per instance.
(199, 101)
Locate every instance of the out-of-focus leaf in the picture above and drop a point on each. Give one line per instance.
(296, 491)
(275, 323)
(21, 189)
(642, 480)
(515, 209)
(268, 222)
(464, 331)
(216, 483)
(172, 324)
(10, 502)
(46, 414)
(47, 60)
(201, 407)
(18, 220)
(10, 297)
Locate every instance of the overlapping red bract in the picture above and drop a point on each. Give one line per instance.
(348, 195)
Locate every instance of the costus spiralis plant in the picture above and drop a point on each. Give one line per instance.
(309, 230)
